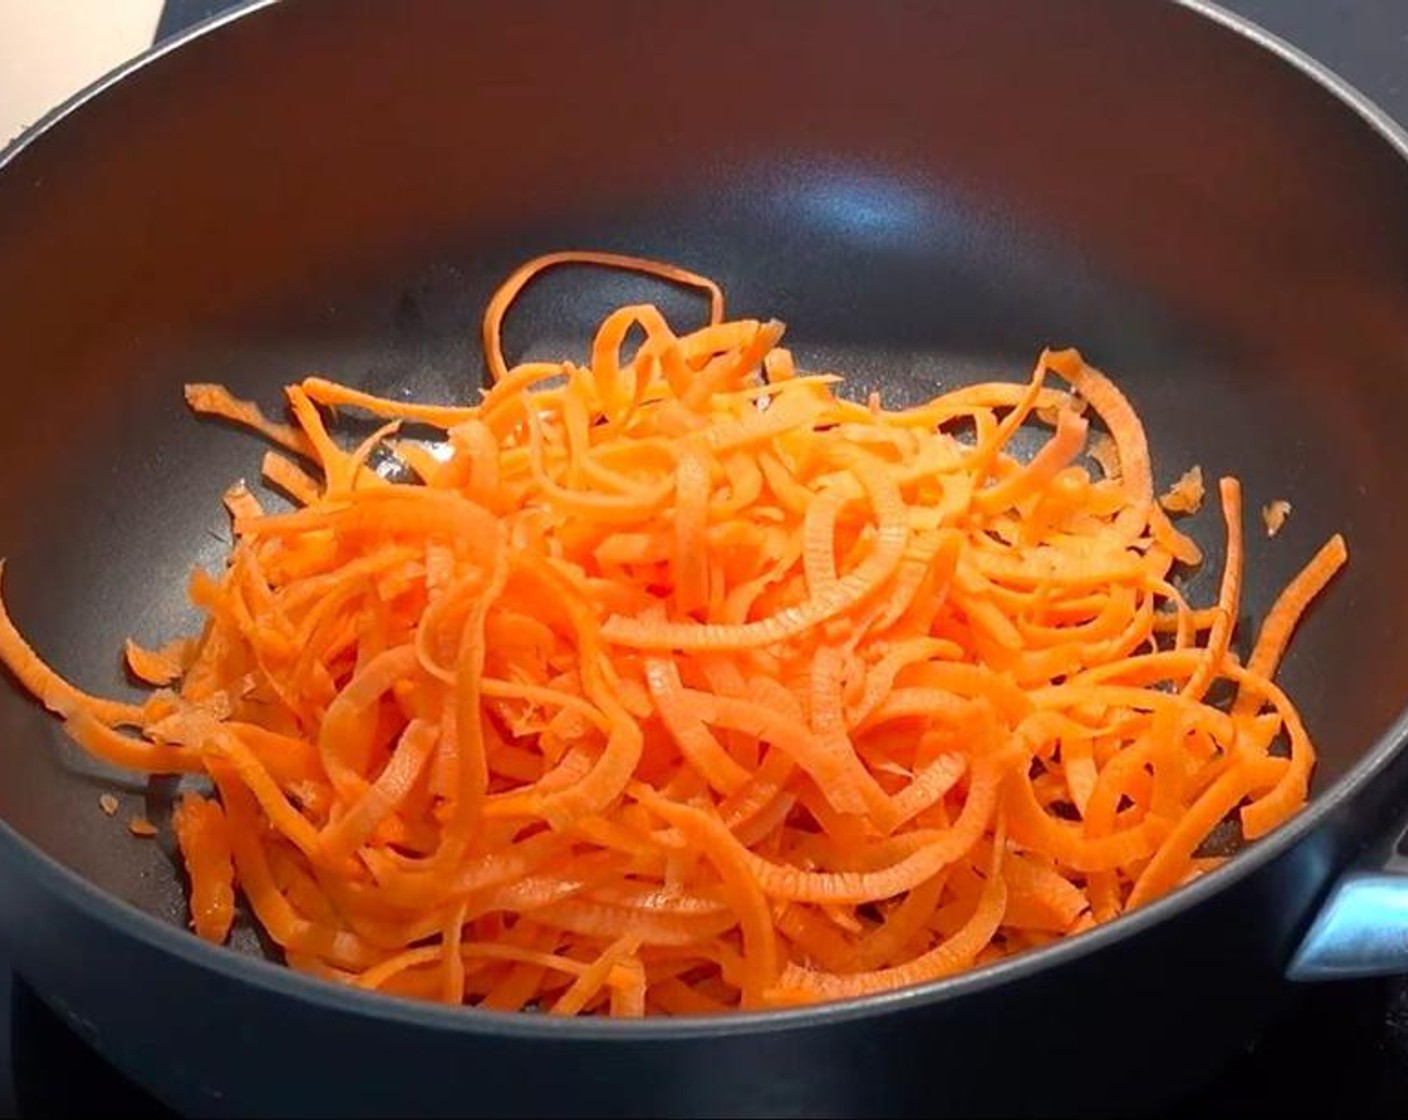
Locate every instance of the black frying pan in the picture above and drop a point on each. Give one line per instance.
(920, 190)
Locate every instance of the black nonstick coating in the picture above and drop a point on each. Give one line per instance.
(923, 191)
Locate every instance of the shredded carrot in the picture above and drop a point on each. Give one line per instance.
(201, 832)
(160, 666)
(676, 682)
(1274, 515)
(140, 826)
(1286, 613)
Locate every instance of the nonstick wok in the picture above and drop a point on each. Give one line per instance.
(924, 192)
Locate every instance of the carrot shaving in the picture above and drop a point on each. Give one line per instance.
(160, 666)
(216, 400)
(1185, 495)
(675, 682)
(1106, 455)
(1274, 515)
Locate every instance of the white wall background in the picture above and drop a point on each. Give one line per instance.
(50, 49)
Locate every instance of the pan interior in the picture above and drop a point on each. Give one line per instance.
(924, 194)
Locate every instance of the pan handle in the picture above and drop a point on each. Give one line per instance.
(1362, 927)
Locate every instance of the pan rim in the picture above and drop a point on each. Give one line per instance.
(124, 918)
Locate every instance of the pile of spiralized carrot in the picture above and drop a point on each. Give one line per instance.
(675, 682)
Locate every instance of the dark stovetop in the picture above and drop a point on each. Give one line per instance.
(1340, 1051)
